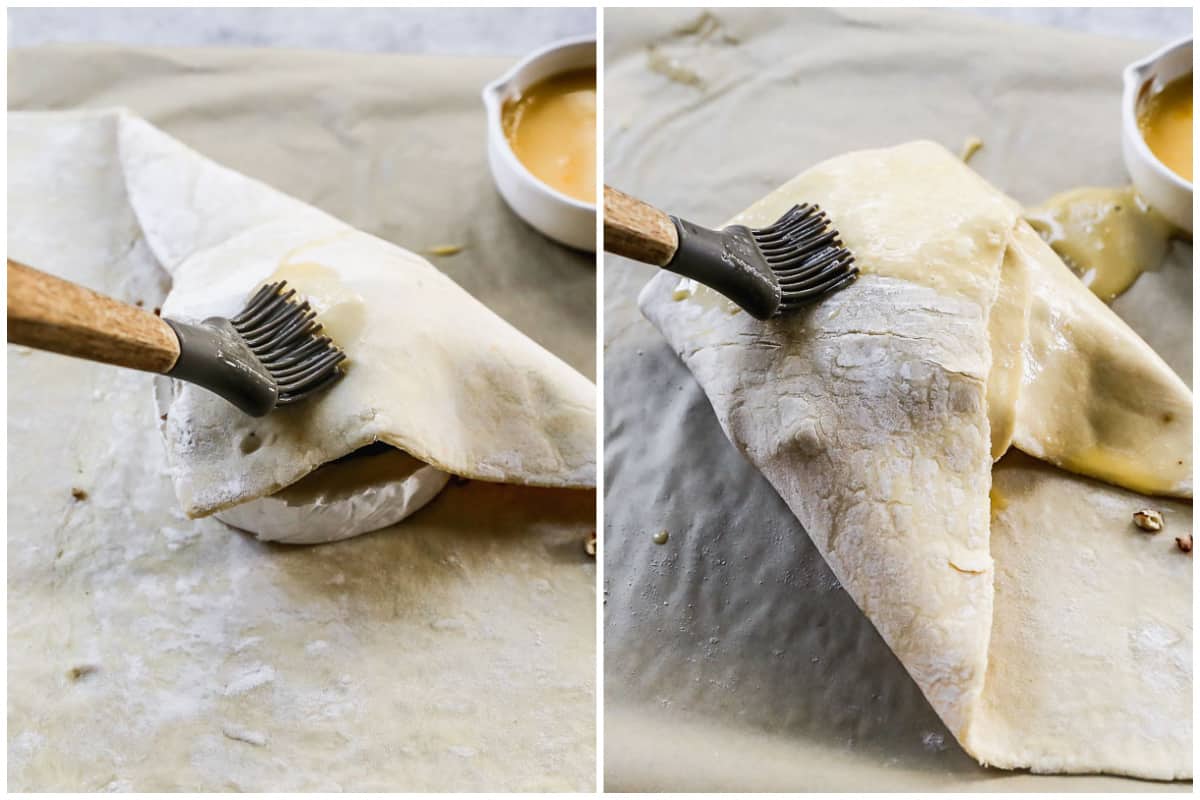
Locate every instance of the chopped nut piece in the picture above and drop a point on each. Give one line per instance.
(589, 544)
(1149, 520)
(1184, 542)
(78, 494)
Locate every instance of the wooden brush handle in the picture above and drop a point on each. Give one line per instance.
(637, 230)
(49, 313)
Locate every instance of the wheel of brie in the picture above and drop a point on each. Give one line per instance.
(372, 488)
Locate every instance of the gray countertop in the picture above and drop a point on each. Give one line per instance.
(450, 31)
(456, 31)
(1134, 23)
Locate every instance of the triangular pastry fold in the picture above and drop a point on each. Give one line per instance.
(877, 415)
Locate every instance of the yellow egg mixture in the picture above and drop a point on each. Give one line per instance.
(551, 128)
(1165, 121)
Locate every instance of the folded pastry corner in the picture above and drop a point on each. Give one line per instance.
(878, 415)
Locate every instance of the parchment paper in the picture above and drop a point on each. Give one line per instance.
(455, 651)
(733, 659)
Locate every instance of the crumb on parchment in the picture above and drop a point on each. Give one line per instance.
(81, 671)
(1148, 520)
(971, 146)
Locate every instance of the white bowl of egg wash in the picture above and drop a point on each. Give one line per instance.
(1156, 122)
(542, 140)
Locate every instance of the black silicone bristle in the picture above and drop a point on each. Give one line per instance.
(285, 336)
(806, 255)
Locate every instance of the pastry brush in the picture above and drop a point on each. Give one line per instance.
(767, 271)
(272, 354)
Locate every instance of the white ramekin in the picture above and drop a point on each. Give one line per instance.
(558, 216)
(1165, 191)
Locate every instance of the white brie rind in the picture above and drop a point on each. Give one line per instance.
(344, 498)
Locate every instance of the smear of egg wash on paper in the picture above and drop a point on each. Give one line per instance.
(1108, 237)
(706, 29)
(672, 68)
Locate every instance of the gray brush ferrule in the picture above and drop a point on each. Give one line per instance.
(727, 261)
(214, 355)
